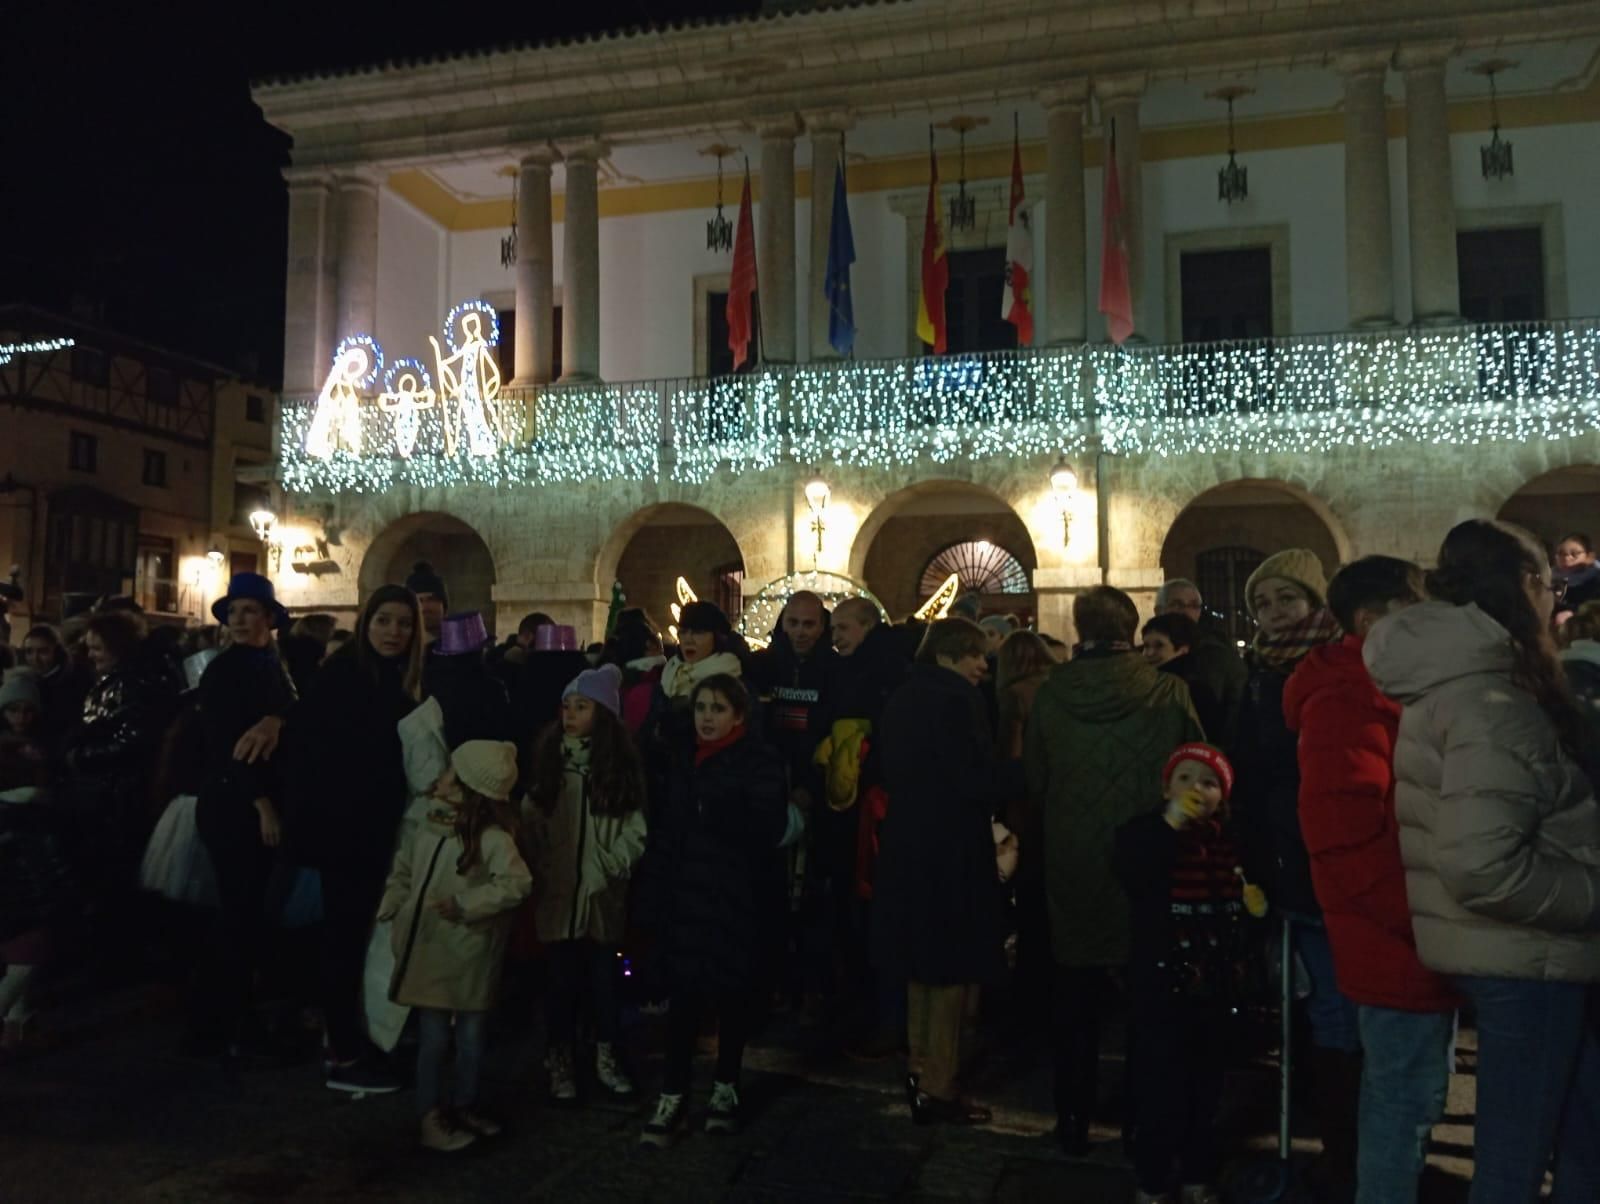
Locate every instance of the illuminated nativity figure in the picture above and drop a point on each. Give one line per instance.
(469, 382)
(336, 421)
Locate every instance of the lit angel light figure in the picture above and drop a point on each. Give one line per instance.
(407, 391)
(469, 380)
(337, 419)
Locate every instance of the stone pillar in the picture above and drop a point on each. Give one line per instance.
(1368, 241)
(308, 309)
(1066, 305)
(535, 287)
(356, 197)
(580, 262)
(827, 147)
(1119, 108)
(1430, 201)
(775, 240)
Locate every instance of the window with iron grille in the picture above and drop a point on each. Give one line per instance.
(729, 579)
(984, 568)
(155, 468)
(1221, 574)
(156, 577)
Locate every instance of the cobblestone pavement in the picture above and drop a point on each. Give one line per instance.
(116, 1115)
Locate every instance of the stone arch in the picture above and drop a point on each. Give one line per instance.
(455, 549)
(1223, 533)
(908, 528)
(650, 549)
(1557, 503)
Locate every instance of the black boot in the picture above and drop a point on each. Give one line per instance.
(1336, 1080)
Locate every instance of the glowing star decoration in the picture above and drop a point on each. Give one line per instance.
(938, 606)
(407, 391)
(469, 380)
(686, 595)
(337, 419)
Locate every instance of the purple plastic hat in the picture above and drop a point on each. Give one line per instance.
(461, 634)
(555, 637)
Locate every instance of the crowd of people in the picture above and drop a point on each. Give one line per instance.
(898, 828)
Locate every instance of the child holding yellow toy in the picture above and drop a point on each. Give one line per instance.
(1191, 951)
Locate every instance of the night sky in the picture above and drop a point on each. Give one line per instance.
(140, 185)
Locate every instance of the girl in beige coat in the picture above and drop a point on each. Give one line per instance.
(451, 895)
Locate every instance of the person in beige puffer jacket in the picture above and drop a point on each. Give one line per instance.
(1500, 836)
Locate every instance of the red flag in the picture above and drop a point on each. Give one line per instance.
(1116, 298)
(1016, 303)
(935, 265)
(742, 280)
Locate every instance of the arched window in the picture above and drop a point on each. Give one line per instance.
(984, 568)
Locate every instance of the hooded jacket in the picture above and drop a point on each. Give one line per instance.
(451, 964)
(581, 861)
(1347, 732)
(1499, 831)
(1101, 730)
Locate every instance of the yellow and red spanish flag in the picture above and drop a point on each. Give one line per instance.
(1016, 303)
(742, 281)
(935, 265)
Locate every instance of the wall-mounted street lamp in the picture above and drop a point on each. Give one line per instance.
(1064, 483)
(817, 495)
(264, 523)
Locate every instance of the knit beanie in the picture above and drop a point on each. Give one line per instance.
(487, 766)
(1209, 756)
(423, 580)
(602, 686)
(1292, 564)
(20, 685)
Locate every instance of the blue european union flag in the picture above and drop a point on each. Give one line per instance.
(836, 284)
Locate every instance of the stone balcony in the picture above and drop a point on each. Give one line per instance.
(1460, 385)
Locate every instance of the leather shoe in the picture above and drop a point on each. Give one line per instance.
(930, 1109)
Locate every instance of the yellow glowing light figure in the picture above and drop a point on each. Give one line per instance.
(337, 419)
(686, 595)
(469, 387)
(405, 399)
(938, 606)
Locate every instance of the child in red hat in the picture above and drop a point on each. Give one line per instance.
(1191, 907)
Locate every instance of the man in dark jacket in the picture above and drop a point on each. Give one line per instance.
(1100, 732)
(793, 677)
(1405, 1011)
(872, 665)
(1214, 658)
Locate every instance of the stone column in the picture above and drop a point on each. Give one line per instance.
(1119, 108)
(1430, 201)
(1368, 241)
(580, 262)
(308, 309)
(827, 147)
(775, 239)
(535, 287)
(356, 198)
(1066, 306)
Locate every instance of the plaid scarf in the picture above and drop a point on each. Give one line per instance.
(1285, 650)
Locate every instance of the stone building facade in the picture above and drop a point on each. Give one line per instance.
(1352, 357)
(118, 471)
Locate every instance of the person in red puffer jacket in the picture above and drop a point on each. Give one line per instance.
(1406, 1012)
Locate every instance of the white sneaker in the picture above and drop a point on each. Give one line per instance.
(663, 1128)
(722, 1117)
(440, 1132)
(609, 1070)
(563, 1082)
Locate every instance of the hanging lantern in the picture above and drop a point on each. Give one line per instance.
(719, 230)
(963, 208)
(508, 244)
(1496, 154)
(1233, 181)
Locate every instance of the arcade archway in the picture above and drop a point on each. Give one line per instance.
(1557, 504)
(1224, 534)
(457, 553)
(673, 540)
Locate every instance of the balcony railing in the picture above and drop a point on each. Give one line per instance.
(1463, 384)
